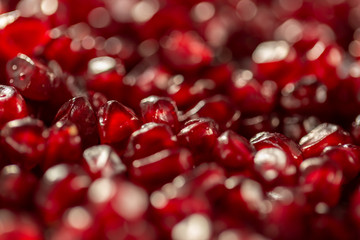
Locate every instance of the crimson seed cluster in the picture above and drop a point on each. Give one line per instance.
(179, 119)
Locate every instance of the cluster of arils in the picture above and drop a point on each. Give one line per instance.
(179, 119)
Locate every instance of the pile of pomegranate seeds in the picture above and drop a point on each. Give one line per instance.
(179, 119)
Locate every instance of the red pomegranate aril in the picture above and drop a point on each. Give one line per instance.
(250, 126)
(240, 234)
(117, 202)
(143, 81)
(194, 226)
(12, 105)
(160, 110)
(220, 109)
(245, 197)
(24, 141)
(61, 187)
(276, 60)
(62, 135)
(15, 36)
(16, 188)
(185, 51)
(19, 226)
(323, 61)
(346, 157)
(324, 135)
(102, 161)
(78, 110)
(157, 169)
(105, 75)
(355, 130)
(159, 135)
(116, 123)
(307, 96)
(273, 167)
(234, 151)
(200, 136)
(320, 182)
(32, 79)
(168, 211)
(277, 140)
(250, 96)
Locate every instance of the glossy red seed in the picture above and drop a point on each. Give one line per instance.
(15, 36)
(16, 188)
(61, 187)
(277, 140)
(185, 51)
(200, 136)
(62, 135)
(105, 75)
(220, 109)
(250, 126)
(12, 105)
(24, 141)
(160, 110)
(115, 202)
(116, 124)
(296, 126)
(244, 197)
(273, 167)
(305, 96)
(102, 161)
(346, 157)
(159, 135)
(355, 130)
(324, 135)
(79, 111)
(320, 181)
(250, 96)
(168, 211)
(32, 79)
(276, 60)
(159, 168)
(233, 151)
(19, 226)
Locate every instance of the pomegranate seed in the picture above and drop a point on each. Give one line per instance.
(305, 96)
(185, 51)
(61, 187)
(31, 79)
(106, 76)
(16, 188)
(157, 169)
(250, 126)
(160, 110)
(277, 140)
(116, 124)
(24, 141)
(322, 136)
(220, 109)
(346, 157)
(296, 126)
(78, 110)
(15, 36)
(102, 161)
(274, 167)
(138, 146)
(233, 151)
(320, 182)
(63, 135)
(200, 136)
(276, 60)
(252, 97)
(116, 202)
(12, 105)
